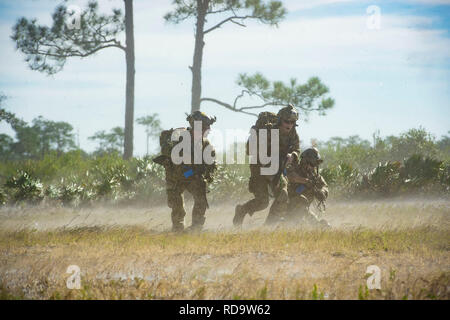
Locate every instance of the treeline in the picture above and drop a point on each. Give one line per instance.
(42, 163)
(364, 155)
(42, 136)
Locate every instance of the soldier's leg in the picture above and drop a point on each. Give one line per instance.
(280, 204)
(299, 210)
(176, 203)
(198, 190)
(259, 187)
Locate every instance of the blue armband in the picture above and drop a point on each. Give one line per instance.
(300, 189)
(189, 172)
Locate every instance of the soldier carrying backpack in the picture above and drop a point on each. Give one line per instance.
(187, 176)
(260, 185)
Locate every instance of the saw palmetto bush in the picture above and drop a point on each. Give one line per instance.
(421, 173)
(230, 181)
(23, 187)
(385, 179)
(343, 178)
(139, 181)
(148, 181)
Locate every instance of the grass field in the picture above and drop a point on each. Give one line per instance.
(129, 253)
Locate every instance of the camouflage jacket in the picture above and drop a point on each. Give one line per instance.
(185, 172)
(288, 143)
(318, 188)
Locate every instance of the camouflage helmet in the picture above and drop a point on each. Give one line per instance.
(200, 116)
(288, 113)
(312, 156)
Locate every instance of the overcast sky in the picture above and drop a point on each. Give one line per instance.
(390, 79)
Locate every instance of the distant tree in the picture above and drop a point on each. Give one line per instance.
(5, 146)
(34, 141)
(152, 126)
(414, 141)
(53, 135)
(109, 142)
(352, 150)
(361, 154)
(307, 98)
(234, 11)
(47, 49)
(9, 117)
(444, 147)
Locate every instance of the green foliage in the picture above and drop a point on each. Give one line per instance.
(25, 188)
(73, 178)
(152, 126)
(36, 140)
(385, 178)
(230, 181)
(268, 12)
(3, 197)
(307, 97)
(316, 294)
(363, 155)
(111, 142)
(363, 293)
(47, 48)
(419, 171)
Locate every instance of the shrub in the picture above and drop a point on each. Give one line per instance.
(25, 188)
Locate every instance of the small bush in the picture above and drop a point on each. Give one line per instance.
(25, 188)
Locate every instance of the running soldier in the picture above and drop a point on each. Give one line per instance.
(259, 185)
(187, 176)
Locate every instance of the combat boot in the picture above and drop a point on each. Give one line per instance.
(239, 215)
(324, 224)
(194, 228)
(177, 227)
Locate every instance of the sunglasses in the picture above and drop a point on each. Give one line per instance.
(289, 121)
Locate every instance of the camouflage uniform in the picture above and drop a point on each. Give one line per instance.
(260, 185)
(190, 177)
(302, 195)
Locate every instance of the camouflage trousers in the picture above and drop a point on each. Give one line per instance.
(196, 186)
(259, 185)
(299, 209)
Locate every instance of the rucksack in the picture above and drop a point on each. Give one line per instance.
(166, 144)
(266, 120)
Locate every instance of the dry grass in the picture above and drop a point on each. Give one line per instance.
(143, 261)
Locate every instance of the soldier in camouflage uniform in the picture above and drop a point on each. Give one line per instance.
(191, 177)
(259, 185)
(305, 185)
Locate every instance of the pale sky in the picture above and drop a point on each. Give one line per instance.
(389, 79)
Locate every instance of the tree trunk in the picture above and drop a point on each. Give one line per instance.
(129, 95)
(198, 55)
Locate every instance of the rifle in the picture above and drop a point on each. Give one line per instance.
(315, 185)
(162, 160)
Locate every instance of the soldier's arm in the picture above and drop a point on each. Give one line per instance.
(210, 168)
(295, 145)
(294, 177)
(322, 189)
